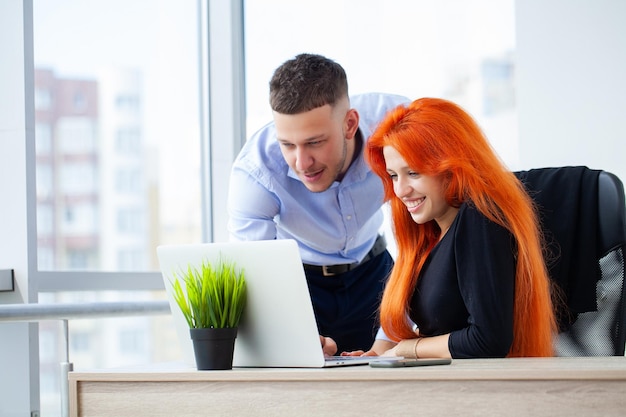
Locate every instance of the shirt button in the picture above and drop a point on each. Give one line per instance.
(349, 217)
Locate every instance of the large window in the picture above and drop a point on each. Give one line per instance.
(117, 110)
(118, 168)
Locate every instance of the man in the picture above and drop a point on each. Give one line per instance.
(303, 177)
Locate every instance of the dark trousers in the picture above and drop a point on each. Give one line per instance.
(346, 305)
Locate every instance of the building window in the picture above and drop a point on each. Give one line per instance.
(76, 135)
(77, 178)
(129, 221)
(128, 141)
(43, 99)
(128, 181)
(43, 138)
(80, 102)
(127, 103)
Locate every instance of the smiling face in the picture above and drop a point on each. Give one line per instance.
(318, 144)
(423, 195)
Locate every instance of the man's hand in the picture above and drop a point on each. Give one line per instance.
(328, 346)
(359, 353)
(379, 348)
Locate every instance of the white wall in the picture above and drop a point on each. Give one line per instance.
(571, 83)
(19, 353)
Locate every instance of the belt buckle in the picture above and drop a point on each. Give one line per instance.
(327, 272)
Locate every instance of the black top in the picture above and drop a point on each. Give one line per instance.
(466, 288)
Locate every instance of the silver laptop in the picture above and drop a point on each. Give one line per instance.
(278, 328)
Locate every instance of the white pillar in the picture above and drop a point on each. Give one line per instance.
(19, 351)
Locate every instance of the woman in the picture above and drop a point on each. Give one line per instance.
(470, 272)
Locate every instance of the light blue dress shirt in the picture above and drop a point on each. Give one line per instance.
(267, 200)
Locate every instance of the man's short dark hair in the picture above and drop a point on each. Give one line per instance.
(307, 82)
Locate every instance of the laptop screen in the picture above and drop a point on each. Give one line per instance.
(278, 328)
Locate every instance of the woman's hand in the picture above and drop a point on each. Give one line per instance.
(391, 352)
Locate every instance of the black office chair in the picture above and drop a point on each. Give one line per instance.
(583, 214)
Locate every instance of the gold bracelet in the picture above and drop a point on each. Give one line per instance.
(417, 342)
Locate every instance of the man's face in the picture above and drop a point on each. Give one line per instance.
(318, 144)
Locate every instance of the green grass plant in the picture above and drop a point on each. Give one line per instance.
(213, 296)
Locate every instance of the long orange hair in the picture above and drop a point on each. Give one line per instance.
(438, 138)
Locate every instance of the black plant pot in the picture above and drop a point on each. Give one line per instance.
(213, 348)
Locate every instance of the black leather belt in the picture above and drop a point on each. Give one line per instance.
(331, 270)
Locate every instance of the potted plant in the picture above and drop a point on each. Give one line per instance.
(212, 299)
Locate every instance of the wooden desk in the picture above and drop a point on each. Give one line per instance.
(486, 387)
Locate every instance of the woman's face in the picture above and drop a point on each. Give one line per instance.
(423, 195)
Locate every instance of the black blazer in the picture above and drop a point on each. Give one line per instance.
(567, 201)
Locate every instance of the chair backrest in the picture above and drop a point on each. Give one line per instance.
(601, 218)
(601, 332)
